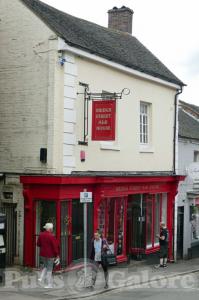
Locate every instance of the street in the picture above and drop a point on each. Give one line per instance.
(176, 287)
(180, 287)
(150, 294)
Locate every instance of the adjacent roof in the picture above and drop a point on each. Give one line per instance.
(188, 124)
(117, 46)
(190, 107)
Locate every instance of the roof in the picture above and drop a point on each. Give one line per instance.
(114, 45)
(188, 125)
(190, 107)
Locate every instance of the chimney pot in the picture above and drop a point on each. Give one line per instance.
(120, 19)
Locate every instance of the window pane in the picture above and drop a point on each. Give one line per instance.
(111, 219)
(164, 208)
(144, 123)
(101, 217)
(157, 218)
(120, 225)
(149, 224)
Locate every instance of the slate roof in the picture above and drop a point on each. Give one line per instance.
(190, 107)
(110, 44)
(188, 125)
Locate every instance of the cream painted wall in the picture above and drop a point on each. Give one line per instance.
(31, 92)
(129, 157)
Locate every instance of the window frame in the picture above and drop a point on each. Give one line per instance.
(144, 131)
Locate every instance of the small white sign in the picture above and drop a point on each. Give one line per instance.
(86, 197)
(2, 225)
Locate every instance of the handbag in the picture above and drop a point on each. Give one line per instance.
(109, 259)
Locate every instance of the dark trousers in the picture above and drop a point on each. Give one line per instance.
(105, 270)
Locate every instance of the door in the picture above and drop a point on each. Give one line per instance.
(64, 239)
(77, 230)
(138, 207)
(180, 230)
(45, 213)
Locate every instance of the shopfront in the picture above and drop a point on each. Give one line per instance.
(126, 210)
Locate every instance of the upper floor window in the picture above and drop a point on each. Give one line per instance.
(196, 156)
(144, 123)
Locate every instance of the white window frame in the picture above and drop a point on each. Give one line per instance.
(144, 123)
(145, 120)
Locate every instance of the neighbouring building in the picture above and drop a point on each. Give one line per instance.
(69, 124)
(188, 196)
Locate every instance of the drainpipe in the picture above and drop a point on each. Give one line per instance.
(175, 161)
(175, 140)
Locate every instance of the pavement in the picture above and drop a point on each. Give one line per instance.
(22, 283)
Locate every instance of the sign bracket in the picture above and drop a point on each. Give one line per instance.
(89, 96)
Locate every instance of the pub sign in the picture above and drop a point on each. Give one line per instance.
(103, 120)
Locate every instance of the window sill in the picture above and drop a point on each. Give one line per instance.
(109, 146)
(146, 149)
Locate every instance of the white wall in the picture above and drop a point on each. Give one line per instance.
(186, 166)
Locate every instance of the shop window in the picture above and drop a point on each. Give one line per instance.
(164, 208)
(102, 217)
(149, 223)
(111, 223)
(194, 219)
(111, 220)
(157, 218)
(120, 226)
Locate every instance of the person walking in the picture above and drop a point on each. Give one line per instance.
(163, 240)
(99, 247)
(49, 252)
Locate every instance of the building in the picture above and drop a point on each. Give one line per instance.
(56, 71)
(188, 196)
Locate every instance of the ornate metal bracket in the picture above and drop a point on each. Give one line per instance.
(88, 96)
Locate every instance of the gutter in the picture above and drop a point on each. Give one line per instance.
(63, 46)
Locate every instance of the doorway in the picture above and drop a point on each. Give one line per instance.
(45, 213)
(77, 230)
(180, 230)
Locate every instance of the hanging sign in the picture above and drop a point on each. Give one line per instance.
(103, 120)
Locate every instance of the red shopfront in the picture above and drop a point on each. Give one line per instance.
(127, 210)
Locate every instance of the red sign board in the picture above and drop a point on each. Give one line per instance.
(103, 120)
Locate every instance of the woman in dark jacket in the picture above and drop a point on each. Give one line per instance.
(99, 247)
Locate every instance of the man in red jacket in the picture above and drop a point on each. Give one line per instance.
(48, 253)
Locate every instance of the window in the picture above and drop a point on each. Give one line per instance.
(194, 219)
(196, 156)
(144, 123)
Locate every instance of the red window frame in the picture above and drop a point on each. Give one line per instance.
(151, 198)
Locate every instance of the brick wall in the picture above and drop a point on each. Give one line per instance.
(120, 19)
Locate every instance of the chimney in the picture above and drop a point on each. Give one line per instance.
(120, 19)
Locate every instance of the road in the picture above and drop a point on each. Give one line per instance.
(148, 294)
(180, 287)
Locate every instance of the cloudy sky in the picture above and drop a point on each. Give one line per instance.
(168, 28)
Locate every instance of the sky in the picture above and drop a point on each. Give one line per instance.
(168, 28)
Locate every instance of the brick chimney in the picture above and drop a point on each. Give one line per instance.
(120, 19)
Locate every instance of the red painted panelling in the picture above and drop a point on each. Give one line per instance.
(67, 187)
